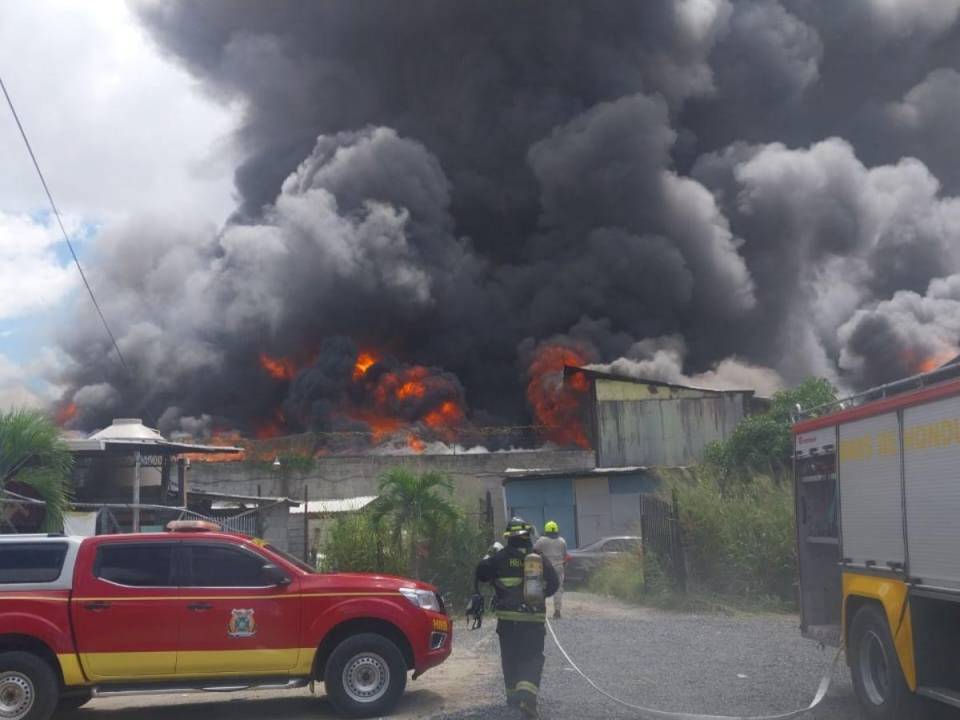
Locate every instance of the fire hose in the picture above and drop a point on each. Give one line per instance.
(649, 714)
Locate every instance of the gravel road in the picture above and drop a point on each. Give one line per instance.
(711, 664)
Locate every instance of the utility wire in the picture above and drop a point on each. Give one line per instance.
(63, 230)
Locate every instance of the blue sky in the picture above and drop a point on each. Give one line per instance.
(120, 133)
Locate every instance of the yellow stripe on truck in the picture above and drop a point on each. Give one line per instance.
(72, 672)
(892, 594)
(297, 662)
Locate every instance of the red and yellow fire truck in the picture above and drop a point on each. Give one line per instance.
(878, 531)
(196, 609)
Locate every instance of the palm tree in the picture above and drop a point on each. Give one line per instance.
(33, 455)
(414, 506)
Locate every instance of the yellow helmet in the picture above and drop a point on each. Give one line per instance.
(551, 527)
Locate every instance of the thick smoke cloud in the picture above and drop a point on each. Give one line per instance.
(451, 183)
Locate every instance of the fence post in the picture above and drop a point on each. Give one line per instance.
(306, 524)
(679, 559)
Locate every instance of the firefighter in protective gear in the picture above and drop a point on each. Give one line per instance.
(553, 548)
(520, 626)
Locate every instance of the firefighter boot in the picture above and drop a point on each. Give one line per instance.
(528, 710)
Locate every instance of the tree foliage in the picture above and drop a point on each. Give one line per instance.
(33, 454)
(763, 443)
(413, 507)
(413, 528)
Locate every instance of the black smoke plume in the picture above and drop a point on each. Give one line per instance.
(770, 180)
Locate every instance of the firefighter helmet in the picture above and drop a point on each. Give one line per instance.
(518, 526)
(551, 527)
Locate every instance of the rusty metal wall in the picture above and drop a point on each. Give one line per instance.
(664, 432)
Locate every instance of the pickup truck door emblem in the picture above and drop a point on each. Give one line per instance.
(242, 624)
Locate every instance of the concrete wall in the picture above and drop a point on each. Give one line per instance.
(275, 527)
(669, 431)
(336, 477)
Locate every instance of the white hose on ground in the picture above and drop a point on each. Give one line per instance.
(647, 713)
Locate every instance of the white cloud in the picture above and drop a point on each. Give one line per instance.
(32, 278)
(16, 389)
(117, 128)
(120, 132)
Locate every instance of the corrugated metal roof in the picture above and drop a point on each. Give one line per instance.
(603, 375)
(246, 499)
(341, 505)
(529, 473)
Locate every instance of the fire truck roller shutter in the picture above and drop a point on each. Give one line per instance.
(931, 443)
(871, 492)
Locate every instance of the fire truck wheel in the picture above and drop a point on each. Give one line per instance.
(365, 676)
(28, 687)
(875, 667)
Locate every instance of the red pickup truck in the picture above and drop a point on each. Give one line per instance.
(195, 609)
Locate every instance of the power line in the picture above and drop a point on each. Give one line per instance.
(63, 230)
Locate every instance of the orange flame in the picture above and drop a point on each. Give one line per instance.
(929, 364)
(914, 363)
(65, 414)
(381, 426)
(415, 443)
(412, 388)
(557, 405)
(365, 361)
(279, 368)
(274, 427)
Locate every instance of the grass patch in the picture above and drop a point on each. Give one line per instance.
(739, 545)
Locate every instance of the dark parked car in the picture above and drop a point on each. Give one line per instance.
(581, 563)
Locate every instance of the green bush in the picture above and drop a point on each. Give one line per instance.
(740, 542)
(357, 544)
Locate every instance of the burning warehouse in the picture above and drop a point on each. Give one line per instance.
(636, 426)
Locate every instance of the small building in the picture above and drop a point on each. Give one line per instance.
(311, 521)
(587, 504)
(267, 518)
(129, 474)
(633, 421)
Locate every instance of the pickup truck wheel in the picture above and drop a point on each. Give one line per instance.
(875, 667)
(365, 675)
(28, 687)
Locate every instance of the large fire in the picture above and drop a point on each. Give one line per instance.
(381, 401)
(558, 405)
(373, 400)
